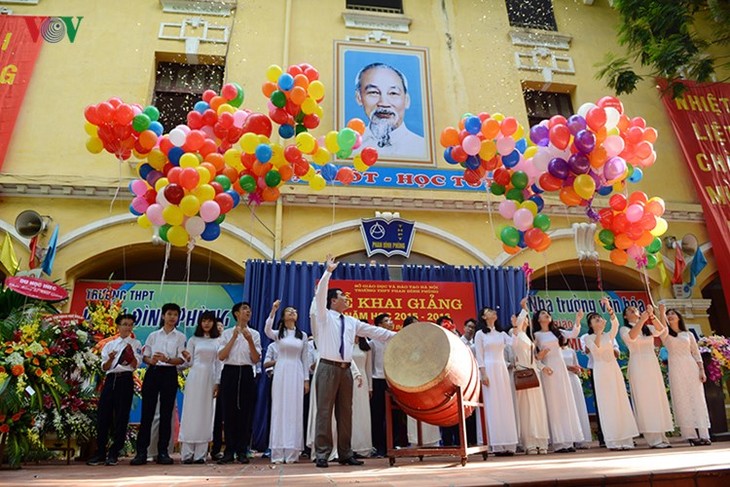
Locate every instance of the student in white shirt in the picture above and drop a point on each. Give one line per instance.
(162, 353)
(119, 358)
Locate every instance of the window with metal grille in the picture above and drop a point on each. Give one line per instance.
(387, 6)
(534, 14)
(178, 86)
(541, 105)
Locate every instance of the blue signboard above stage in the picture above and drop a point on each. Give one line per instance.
(392, 236)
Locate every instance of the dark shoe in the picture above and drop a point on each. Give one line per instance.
(164, 459)
(563, 450)
(216, 456)
(504, 454)
(351, 461)
(96, 460)
(322, 463)
(225, 460)
(571, 450)
(111, 461)
(200, 461)
(187, 461)
(139, 460)
(244, 460)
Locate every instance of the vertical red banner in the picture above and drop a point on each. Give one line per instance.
(701, 122)
(18, 54)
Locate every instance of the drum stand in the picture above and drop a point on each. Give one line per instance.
(420, 451)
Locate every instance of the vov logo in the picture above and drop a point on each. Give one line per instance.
(53, 29)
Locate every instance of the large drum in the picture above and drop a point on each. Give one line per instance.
(424, 366)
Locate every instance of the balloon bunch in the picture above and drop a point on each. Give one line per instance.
(294, 96)
(592, 152)
(632, 227)
(491, 148)
(113, 126)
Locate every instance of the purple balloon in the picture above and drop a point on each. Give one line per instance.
(576, 123)
(579, 164)
(614, 168)
(558, 168)
(585, 141)
(540, 135)
(597, 178)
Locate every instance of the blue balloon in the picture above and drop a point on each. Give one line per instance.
(129, 186)
(473, 125)
(537, 189)
(133, 211)
(521, 145)
(521, 244)
(605, 190)
(511, 159)
(211, 232)
(538, 201)
(263, 152)
(447, 156)
(144, 170)
(201, 106)
(473, 162)
(174, 155)
(329, 172)
(286, 131)
(286, 82)
(234, 196)
(156, 127)
(636, 175)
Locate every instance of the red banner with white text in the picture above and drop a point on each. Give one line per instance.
(18, 54)
(701, 122)
(425, 300)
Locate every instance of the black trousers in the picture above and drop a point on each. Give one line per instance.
(217, 425)
(471, 428)
(113, 409)
(599, 432)
(238, 388)
(377, 420)
(159, 383)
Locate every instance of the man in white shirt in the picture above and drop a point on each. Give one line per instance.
(335, 333)
(382, 91)
(240, 351)
(162, 352)
(119, 358)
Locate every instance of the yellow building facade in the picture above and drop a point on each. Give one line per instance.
(477, 62)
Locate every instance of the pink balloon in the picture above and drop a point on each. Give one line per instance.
(614, 145)
(523, 219)
(357, 144)
(471, 145)
(239, 117)
(195, 226)
(154, 214)
(209, 211)
(507, 208)
(140, 204)
(505, 145)
(139, 187)
(634, 213)
(635, 252)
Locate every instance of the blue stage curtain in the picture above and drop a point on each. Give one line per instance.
(293, 283)
(499, 288)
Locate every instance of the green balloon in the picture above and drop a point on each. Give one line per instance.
(606, 237)
(655, 246)
(344, 153)
(223, 181)
(238, 100)
(152, 112)
(163, 231)
(346, 138)
(272, 178)
(247, 183)
(278, 99)
(515, 194)
(510, 236)
(609, 247)
(542, 222)
(519, 180)
(651, 261)
(497, 189)
(141, 122)
(220, 219)
(299, 128)
(299, 117)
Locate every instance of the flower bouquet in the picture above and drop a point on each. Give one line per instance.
(718, 368)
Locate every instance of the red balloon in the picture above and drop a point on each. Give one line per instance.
(91, 115)
(534, 237)
(548, 182)
(617, 202)
(173, 175)
(301, 167)
(556, 120)
(123, 114)
(611, 101)
(195, 120)
(210, 117)
(311, 73)
(458, 154)
(638, 197)
(105, 110)
(257, 123)
(596, 118)
(165, 144)
(311, 121)
(345, 175)
(150, 196)
(502, 176)
(620, 223)
(294, 70)
(560, 136)
(208, 95)
(292, 154)
(472, 177)
(174, 193)
(369, 155)
(208, 147)
(189, 178)
(216, 186)
(225, 201)
(605, 215)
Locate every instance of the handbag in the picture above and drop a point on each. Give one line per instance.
(526, 378)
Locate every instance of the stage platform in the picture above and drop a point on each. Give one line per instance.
(678, 466)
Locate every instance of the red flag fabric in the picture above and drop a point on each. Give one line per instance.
(679, 264)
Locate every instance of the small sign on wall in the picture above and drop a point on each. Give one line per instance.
(388, 236)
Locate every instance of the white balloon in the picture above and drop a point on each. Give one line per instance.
(177, 137)
(612, 116)
(583, 110)
(195, 226)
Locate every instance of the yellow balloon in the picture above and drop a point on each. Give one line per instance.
(488, 150)
(306, 142)
(173, 215)
(204, 174)
(519, 133)
(330, 141)
(277, 155)
(530, 205)
(264, 139)
(310, 174)
(309, 105)
(322, 156)
(273, 72)
(498, 117)
(204, 192)
(144, 222)
(232, 157)
(91, 129)
(189, 160)
(316, 90)
(249, 142)
(156, 158)
(613, 131)
(319, 111)
(530, 152)
(177, 235)
(359, 164)
(161, 183)
(189, 205)
(317, 182)
(584, 186)
(225, 107)
(660, 228)
(94, 145)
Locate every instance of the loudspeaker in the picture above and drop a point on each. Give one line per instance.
(29, 223)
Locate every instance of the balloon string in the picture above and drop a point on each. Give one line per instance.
(598, 275)
(191, 246)
(164, 265)
(489, 211)
(119, 186)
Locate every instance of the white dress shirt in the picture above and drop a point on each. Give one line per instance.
(169, 344)
(327, 327)
(378, 352)
(118, 345)
(240, 353)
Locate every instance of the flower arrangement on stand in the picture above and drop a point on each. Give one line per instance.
(718, 368)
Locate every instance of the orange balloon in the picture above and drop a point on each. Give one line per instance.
(298, 94)
(261, 169)
(623, 241)
(286, 172)
(510, 250)
(544, 244)
(147, 139)
(623, 123)
(650, 135)
(490, 128)
(217, 161)
(569, 196)
(268, 88)
(357, 125)
(619, 257)
(211, 169)
(237, 186)
(449, 137)
(601, 135)
(645, 239)
(270, 194)
(598, 157)
(302, 81)
(638, 197)
(217, 101)
(230, 173)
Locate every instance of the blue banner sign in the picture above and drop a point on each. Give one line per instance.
(388, 236)
(412, 178)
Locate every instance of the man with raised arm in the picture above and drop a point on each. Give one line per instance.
(335, 336)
